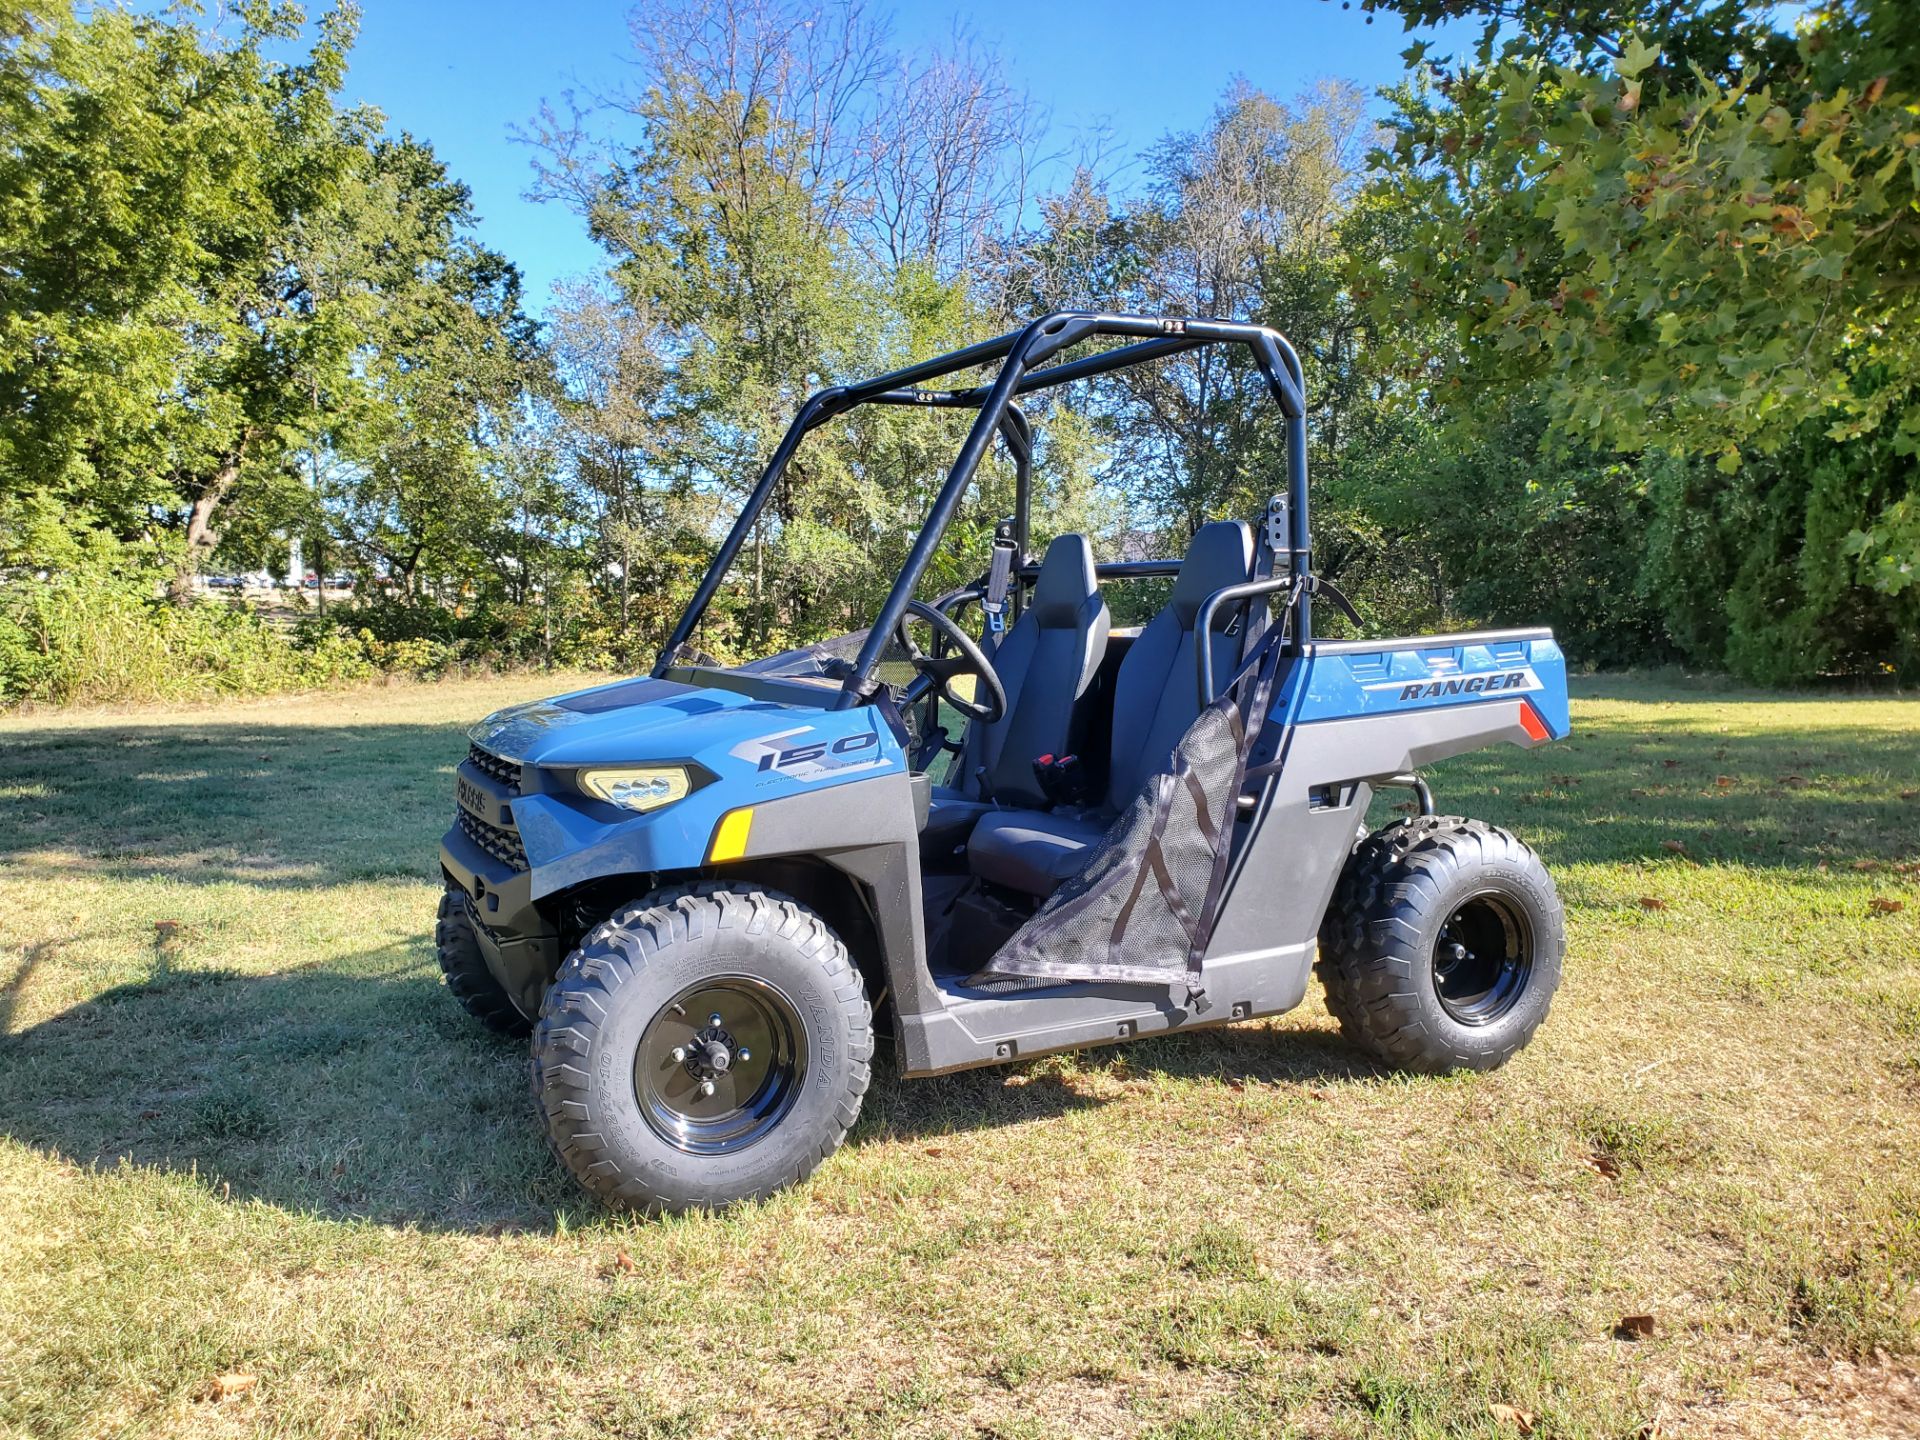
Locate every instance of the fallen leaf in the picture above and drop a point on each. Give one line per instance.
(1723, 781)
(1866, 864)
(166, 929)
(1794, 782)
(934, 1150)
(149, 1114)
(1674, 847)
(1605, 1164)
(1652, 902)
(225, 1387)
(1521, 1420)
(1238, 1087)
(1880, 905)
(1407, 807)
(1910, 794)
(1320, 1094)
(623, 1262)
(1633, 1327)
(1636, 794)
(1671, 764)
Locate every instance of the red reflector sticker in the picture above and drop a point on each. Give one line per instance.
(1531, 722)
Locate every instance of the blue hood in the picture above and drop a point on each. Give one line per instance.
(627, 721)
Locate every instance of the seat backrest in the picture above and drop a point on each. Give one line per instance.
(1156, 692)
(1046, 662)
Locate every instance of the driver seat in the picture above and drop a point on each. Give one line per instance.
(1046, 663)
(1154, 702)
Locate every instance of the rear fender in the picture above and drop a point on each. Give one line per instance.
(1352, 713)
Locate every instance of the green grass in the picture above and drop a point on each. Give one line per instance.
(247, 1131)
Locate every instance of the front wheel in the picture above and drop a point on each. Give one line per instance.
(701, 1047)
(1441, 950)
(465, 970)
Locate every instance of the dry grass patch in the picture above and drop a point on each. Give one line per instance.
(246, 1134)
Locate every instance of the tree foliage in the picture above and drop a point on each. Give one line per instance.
(1688, 236)
(1609, 324)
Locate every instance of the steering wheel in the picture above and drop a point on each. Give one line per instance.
(943, 671)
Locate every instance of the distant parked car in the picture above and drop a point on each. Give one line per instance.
(223, 582)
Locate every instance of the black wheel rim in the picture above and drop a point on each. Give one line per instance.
(720, 1065)
(1482, 959)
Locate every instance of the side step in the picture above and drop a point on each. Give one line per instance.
(973, 1028)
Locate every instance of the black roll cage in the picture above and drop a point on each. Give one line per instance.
(1020, 351)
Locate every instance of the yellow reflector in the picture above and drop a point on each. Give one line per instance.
(730, 836)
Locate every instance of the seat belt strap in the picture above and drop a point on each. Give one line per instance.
(999, 578)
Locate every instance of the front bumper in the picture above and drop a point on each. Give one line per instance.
(502, 896)
(521, 950)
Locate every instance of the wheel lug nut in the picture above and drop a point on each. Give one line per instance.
(714, 1019)
(706, 1087)
(744, 1053)
(679, 1053)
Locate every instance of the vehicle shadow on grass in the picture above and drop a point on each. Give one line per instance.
(353, 1089)
(999, 1096)
(356, 1089)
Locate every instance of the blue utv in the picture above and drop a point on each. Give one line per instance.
(697, 888)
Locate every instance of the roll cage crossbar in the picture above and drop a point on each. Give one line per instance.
(1022, 354)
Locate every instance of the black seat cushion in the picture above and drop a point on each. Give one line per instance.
(951, 817)
(1045, 662)
(1032, 851)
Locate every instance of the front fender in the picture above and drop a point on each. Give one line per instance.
(786, 756)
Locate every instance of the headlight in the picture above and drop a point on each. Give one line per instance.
(637, 788)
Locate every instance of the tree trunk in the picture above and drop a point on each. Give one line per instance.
(201, 536)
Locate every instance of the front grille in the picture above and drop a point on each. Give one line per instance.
(507, 772)
(502, 845)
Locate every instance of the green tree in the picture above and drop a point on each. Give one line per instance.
(781, 214)
(1688, 233)
(158, 338)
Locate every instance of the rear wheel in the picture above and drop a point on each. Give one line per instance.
(703, 1046)
(1442, 947)
(466, 972)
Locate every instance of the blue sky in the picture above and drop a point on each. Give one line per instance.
(461, 75)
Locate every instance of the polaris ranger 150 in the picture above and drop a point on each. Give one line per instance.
(696, 886)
